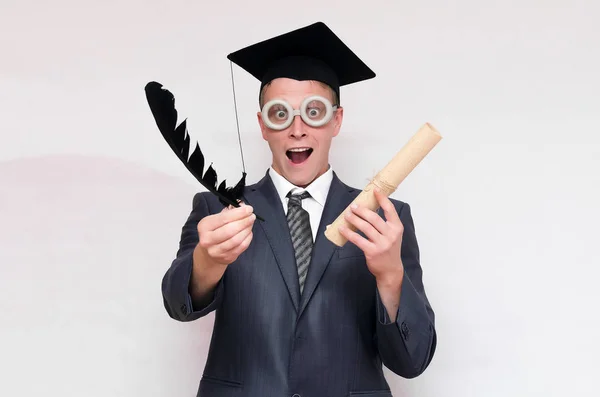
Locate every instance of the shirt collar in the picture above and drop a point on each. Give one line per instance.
(318, 189)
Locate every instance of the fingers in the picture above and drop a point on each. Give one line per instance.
(358, 240)
(224, 236)
(233, 241)
(243, 245)
(232, 254)
(376, 224)
(227, 231)
(228, 215)
(391, 215)
(366, 221)
(371, 224)
(230, 249)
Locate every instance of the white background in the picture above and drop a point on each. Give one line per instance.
(506, 207)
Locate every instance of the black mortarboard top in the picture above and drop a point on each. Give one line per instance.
(313, 52)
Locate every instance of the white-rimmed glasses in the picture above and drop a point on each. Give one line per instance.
(315, 111)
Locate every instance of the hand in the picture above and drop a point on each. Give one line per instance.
(383, 240)
(225, 236)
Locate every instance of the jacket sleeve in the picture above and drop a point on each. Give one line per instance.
(176, 281)
(407, 345)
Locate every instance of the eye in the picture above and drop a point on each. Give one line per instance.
(314, 112)
(278, 113)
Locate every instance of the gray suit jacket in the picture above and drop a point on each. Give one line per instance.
(268, 340)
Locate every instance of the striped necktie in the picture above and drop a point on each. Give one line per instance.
(301, 234)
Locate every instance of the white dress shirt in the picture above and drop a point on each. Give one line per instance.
(314, 204)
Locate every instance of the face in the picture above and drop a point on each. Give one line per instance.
(300, 152)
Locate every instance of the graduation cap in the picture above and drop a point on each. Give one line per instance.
(313, 52)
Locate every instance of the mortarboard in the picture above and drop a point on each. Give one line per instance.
(313, 52)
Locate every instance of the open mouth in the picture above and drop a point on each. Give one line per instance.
(299, 155)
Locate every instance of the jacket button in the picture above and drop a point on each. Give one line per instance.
(405, 331)
(183, 308)
(296, 395)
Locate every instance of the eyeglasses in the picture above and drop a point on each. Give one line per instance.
(315, 111)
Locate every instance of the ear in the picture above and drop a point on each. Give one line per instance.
(261, 124)
(337, 120)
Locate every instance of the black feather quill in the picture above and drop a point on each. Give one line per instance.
(162, 105)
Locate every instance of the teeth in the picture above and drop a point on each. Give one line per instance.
(302, 149)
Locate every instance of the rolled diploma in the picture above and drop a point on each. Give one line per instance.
(389, 178)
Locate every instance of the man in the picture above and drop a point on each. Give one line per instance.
(296, 315)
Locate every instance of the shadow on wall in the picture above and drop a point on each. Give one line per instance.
(85, 242)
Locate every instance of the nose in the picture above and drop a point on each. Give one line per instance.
(297, 128)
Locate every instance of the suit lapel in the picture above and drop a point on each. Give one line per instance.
(264, 199)
(266, 203)
(338, 198)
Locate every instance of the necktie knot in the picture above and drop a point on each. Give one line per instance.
(296, 199)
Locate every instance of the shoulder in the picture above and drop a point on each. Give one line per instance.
(206, 202)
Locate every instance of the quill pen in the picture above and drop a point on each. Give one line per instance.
(162, 105)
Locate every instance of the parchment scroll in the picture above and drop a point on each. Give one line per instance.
(390, 177)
